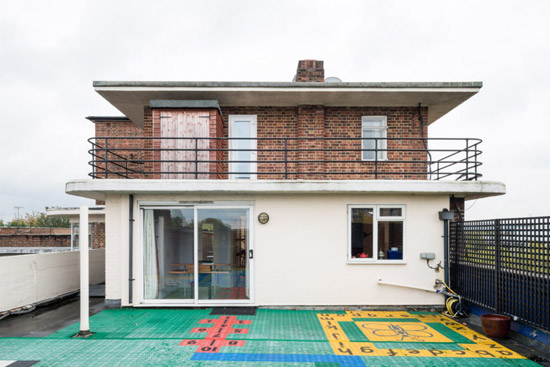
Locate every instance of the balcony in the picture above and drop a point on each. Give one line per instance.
(329, 158)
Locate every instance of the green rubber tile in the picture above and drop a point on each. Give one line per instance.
(140, 324)
(449, 333)
(151, 337)
(352, 331)
(283, 325)
(52, 352)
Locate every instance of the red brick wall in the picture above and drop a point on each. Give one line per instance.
(148, 144)
(99, 235)
(457, 205)
(119, 129)
(311, 124)
(402, 123)
(273, 122)
(35, 237)
(334, 122)
(216, 129)
(305, 121)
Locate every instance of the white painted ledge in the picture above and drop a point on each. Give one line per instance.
(98, 188)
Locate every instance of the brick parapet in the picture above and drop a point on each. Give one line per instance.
(128, 150)
(35, 237)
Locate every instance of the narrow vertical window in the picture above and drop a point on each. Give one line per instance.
(374, 134)
(243, 154)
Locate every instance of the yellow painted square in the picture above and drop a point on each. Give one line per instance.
(401, 332)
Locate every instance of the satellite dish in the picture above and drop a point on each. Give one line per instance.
(294, 79)
(333, 79)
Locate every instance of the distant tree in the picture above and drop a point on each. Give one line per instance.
(16, 223)
(39, 219)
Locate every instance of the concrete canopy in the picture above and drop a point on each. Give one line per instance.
(98, 189)
(131, 97)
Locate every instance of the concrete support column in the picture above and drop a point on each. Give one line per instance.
(84, 274)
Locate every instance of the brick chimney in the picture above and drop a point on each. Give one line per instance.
(310, 71)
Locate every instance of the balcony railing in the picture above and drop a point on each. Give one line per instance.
(285, 158)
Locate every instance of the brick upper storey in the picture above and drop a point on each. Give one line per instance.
(192, 138)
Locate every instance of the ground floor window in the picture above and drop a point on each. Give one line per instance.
(193, 253)
(376, 233)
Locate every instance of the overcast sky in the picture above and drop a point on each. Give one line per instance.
(51, 51)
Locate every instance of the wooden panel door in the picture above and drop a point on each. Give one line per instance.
(178, 155)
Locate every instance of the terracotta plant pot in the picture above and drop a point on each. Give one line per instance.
(495, 326)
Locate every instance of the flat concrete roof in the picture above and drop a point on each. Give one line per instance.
(199, 104)
(130, 97)
(95, 119)
(98, 188)
(74, 213)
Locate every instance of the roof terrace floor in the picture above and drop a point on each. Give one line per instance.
(265, 337)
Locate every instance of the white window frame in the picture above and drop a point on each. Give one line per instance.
(377, 217)
(75, 231)
(366, 125)
(253, 120)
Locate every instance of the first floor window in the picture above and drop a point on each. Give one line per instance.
(376, 232)
(374, 131)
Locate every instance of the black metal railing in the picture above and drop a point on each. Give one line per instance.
(503, 265)
(285, 158)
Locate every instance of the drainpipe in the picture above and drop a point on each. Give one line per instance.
(130, 250)
(446, 215)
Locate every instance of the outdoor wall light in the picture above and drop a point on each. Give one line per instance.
(263, 218)
(446, 214)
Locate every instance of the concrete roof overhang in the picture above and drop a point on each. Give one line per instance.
(98, 189)
(95, 213)
(131, 97)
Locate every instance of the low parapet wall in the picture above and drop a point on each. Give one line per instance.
(28, 279)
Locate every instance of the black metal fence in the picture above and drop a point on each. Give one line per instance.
(503, 265)
(286, 158)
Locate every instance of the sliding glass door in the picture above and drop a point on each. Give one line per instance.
(168, 253)
(196, 254)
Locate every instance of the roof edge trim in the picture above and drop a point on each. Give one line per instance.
(304, 85)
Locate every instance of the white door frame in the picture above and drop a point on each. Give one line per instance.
(253, 120)
(140, 301)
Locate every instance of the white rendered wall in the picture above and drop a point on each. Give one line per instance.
(300, 255)
(112, 247)
(27, 279)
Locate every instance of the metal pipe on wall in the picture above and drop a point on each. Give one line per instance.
(131, 249)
